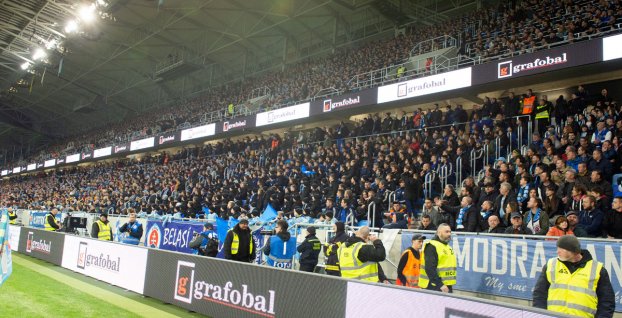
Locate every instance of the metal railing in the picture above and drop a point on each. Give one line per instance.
(434, 44)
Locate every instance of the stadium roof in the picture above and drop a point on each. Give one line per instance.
(109, 71)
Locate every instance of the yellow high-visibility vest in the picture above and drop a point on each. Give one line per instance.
(446, 268)
(573, 294)
(104, 231)
(351, 267)
(235, 244)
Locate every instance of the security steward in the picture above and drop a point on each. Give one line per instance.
(239, 245)
(438, 264)
(12, 216)
(330, 249)
(574, 284)
(543, 111)
(281, 247)
(359, 256)
(51, 224)
(101, 229)
(133, 229)
(409, 267)
(309, 251)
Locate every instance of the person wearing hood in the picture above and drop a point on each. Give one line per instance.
(575, 284)
(309, 251)
(239, 245)
(330, 249)
(281, 247)
(359, 256)
(438, 263)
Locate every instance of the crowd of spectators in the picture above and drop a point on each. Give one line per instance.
(560, 183)
(512, 28)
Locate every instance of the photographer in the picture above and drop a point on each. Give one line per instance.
(132, 230)
(206, 242)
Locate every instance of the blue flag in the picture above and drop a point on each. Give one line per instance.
(268, 214)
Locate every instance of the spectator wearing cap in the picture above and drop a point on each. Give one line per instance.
(101, 229)
(517, 226)
(206, 242)
(410, 263)
(591, 218)
(239, 245)
(309, 251)
(489, 194)
(573, 224)
(573, 283)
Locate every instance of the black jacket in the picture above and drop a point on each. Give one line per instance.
(330, 251)
(309, 250)
(470, 220)
(245, 238)
(604, 290)
(612, 224)
(431, 263)
(368, 253)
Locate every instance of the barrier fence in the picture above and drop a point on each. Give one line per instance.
(492, 264)
(223, 288)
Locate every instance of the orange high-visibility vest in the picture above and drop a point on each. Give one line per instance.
(528, 104)
(411, 271)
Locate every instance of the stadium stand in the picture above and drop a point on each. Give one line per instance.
(482, 36)
(363, 174)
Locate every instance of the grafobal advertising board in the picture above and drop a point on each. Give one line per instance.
(117, 264)
(283, 114)
(425, 85)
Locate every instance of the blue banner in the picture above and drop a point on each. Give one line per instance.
(259, 239)
(172, 236)
(511, 267)
(268, 214)
(37, 219)
(6, 263)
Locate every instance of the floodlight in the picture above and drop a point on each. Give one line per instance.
(87, 13)
(39, 54)
(51, 44)
(71, 27)
(25, 66)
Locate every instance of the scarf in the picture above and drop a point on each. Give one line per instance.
(533, 222)
(459, 220)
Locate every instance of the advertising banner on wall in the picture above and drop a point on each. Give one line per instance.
(167, 138)
(172, 236)
(37, 219)
(121, 148)
(102, 152)
(612, 47)
(346, 101)
(404, 301)
(6, 262)
(556, 58)
(142, 144)
(198, 132)
(425, 85)
(42, 244)
(114, 263)
(283, 114)
(236, 124)
(207, 286)
(72, 158)
(49, 163)
(14, 233)
(86, 156)
(510, 267)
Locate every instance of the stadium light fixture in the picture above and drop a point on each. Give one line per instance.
(39, 54)
(25, 65)
(71, 27)
(87, 13)
(51, 44)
